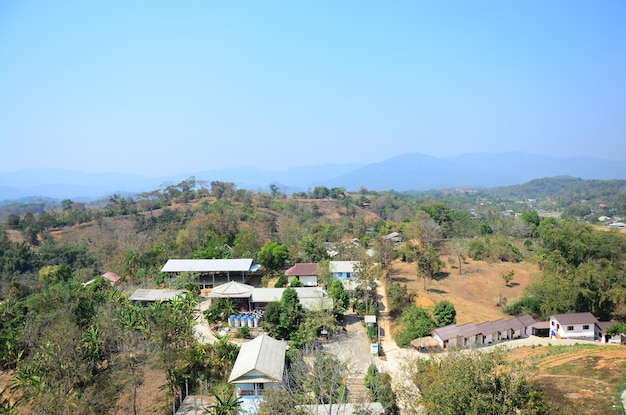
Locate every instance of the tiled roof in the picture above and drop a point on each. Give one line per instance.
(302, 269)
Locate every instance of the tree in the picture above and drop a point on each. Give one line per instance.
(226, 403)
(399, 298)
(474, 382)
(290, 316)
(313, 249)
(485, 229)
(507, 277)
(459, 247)
(414, 323)
(324, 276)
(219, 310)
(339, 295)
(440, 213)
(444, 313)
(222, 190)
(532, 218)
(379, 390)
(615, 329)
(429, 231)
(273, 256)
(51, 274)
(428, 265)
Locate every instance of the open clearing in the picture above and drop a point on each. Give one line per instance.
(474, 293)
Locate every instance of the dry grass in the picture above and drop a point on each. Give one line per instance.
(588, 377)
(474, 293)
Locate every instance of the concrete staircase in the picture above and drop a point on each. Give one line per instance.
(357, 390)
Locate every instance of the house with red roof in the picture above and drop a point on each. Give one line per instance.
(306, 272)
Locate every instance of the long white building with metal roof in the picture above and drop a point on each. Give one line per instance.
(213, 271)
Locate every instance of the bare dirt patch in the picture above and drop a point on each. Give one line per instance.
(474, 292)
(590, 376)
(14, 235)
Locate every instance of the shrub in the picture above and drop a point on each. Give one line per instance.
(243, 332)
(281, 281)
(477, 250)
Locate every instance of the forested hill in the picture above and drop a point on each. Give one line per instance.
(574, 196)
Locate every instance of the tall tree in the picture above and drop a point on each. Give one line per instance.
(429, 265)
(273, 256)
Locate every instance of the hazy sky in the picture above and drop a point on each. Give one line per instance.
(167, 87)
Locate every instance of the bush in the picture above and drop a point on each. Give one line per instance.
(243, 332)
(415, 323)
(281, 281)
(399, 298)
(372, 333)
(526, 304)
(477, 250)
(295, 282)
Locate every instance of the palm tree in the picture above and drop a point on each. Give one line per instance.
(226, 403)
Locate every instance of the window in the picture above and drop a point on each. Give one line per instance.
(570, 328)
(586, 327)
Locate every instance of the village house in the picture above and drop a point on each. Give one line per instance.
(342, 270)
(306, 272)
(260, 366)
(579, 326)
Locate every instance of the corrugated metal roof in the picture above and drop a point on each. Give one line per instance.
(446, 332)
(526, 320)
(264, 355)
(309, 297)
(302, 269)
(232, 289)
(143, 294)
(575, 318)
(516, 324)
(500, 325)
(485, 328)
(207, 265)
(344, 266)
(467, 330)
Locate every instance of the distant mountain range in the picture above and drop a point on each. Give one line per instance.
(410, 171)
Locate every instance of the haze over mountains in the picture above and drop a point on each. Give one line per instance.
(411, 171)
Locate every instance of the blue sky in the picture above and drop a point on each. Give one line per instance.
(162, 87)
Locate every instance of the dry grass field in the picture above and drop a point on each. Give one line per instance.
(474, 292)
